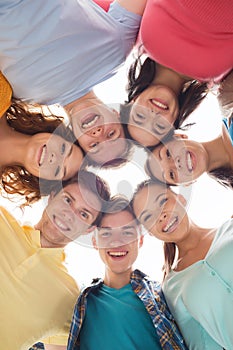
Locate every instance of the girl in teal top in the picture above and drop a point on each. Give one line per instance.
(198, 279)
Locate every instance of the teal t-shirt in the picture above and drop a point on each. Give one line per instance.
(117, 319)
(201, 296)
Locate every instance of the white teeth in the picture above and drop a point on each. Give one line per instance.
(90, 123)
(170, 224)
(60, 224)
(159, 104)
(42, 157)
(117, 253)
(189, 162)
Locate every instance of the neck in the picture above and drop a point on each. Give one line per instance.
(191, 241)
(219, 154)
(117, 280)
(168, 77)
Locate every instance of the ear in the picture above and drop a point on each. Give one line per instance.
(94, 242)
(90, 229)
(141, 240)
(181, 136)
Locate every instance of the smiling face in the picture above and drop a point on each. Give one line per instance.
(98, 130)
(161, 212)
(178, 161)
(51, 157)
(118, 241)
(68, 215)
(152, 115)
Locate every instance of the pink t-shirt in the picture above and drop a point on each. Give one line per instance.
(192, 37)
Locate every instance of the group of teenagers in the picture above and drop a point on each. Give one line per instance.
(54, 53)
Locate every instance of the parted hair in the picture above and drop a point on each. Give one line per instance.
(31, 119)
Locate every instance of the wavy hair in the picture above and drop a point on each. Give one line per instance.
(31, 119)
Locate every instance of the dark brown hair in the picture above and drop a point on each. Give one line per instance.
(223, 175)
(31, 119)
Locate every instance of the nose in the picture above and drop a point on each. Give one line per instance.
(178, 162)
(98, 131)
(115, 243)
(162, 217)
(68, 215)
(52, 158)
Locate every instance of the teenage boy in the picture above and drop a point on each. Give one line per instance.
(126, 310)
(37, 294)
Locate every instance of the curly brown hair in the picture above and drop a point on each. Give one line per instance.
(31, 119)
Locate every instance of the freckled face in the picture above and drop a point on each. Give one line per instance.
(51, 157)
(178, 161)
(152, 115)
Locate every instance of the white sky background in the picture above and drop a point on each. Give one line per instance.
(210, 203)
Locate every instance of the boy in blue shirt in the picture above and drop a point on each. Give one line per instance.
(126, 310)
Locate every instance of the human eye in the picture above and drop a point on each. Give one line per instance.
(168, 154)
(93, 146)
(57, 171)
(67, 199)
(84, 214)
(172, 175)
(111, 134)
(63, 148)
(163, 201)
(128, 233)
(104, 234)
(146, 218)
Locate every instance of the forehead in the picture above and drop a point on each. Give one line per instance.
(148, 195)
(116, 220)
(82, 195)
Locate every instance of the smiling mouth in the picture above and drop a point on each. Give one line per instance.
(171, 225)
(60, 224)
(42, 155)
(161, 105)
(90, 120)
(190, 161)
(117, 254)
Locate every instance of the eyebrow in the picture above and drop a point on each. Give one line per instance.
(65, 168)
(57, 170)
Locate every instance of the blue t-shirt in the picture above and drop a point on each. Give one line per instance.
(55, 51)
(117, 319)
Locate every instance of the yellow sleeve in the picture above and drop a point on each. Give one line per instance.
(56, 340)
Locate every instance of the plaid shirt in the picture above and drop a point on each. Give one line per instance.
(151, 295)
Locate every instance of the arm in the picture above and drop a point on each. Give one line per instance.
(55, 347)
(135, 6)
